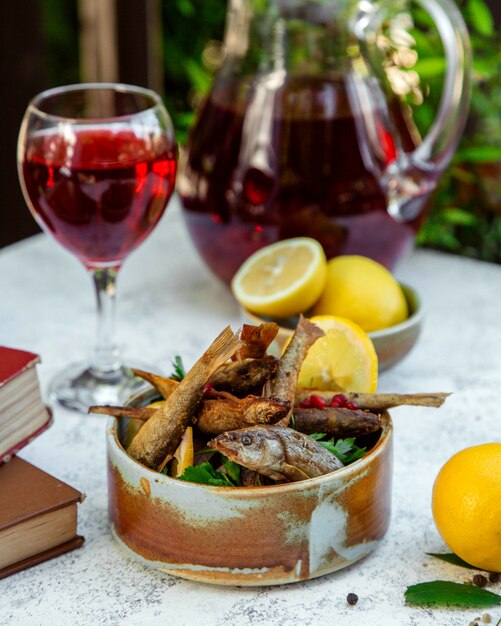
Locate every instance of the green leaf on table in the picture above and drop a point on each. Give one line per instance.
(179, 371)
(444, 593)
(205, 474)
(451, 558)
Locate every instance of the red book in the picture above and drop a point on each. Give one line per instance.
(23, 415)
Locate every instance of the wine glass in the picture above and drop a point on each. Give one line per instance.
(97, 165)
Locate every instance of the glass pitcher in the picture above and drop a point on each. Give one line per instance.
(303, 135)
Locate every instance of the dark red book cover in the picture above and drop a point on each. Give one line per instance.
(13, 362)
(19, 388)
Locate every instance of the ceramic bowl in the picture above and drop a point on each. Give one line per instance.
(391, 344)
(249, 535)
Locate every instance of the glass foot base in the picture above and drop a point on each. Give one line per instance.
(78, 387)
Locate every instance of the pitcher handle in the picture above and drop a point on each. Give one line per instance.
(408, 176)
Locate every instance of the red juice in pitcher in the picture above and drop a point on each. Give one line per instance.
(268, 163)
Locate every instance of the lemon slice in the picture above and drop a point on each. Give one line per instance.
(184, 455)
(282, 279)
(343, 360)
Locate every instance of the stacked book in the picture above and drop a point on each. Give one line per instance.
(38, 513)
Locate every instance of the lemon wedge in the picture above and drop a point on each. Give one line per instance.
(343, 360)
(184, 455)
(282, 279)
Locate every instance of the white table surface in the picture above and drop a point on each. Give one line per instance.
(170, 304)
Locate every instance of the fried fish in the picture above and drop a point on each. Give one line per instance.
(378, 401)
(162, 433)
(336, 421)
(164, 386)
(221, 411)
(283, 384)
(242, 378)
(276, 451)
(256, 340)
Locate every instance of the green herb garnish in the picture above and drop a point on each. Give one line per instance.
(179, 371)
(444, 593)
(233, 471)
(346, 450)
(451, 558)
(205, 474)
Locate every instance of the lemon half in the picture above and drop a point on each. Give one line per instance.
(343, 360)
(282, 279)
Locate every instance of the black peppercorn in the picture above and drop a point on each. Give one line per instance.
(479, 580)
(352, 598)
(494, 577)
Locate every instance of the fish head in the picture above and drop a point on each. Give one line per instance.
(256, 448)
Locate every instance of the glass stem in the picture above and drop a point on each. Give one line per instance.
(105, 359)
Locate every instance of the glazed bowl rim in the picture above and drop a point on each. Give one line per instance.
(113, 442)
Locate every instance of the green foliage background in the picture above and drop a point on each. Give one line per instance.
(464, 213)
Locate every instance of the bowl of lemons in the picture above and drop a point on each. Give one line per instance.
(349, 296)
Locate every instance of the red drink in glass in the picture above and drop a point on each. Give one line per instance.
(97, 164)
(101, 193)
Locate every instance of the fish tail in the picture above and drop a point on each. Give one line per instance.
(163, 385)
(222, 348)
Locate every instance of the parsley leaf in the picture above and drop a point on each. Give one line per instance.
(179, 371)
(346, 450)
(205, 474)
(233, 471)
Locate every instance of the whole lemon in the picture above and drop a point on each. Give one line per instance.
(364, 291)
(466, 505)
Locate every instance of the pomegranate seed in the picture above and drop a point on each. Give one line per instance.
(338, 400)
(351, 405)
(208, 387)
(317, 402)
